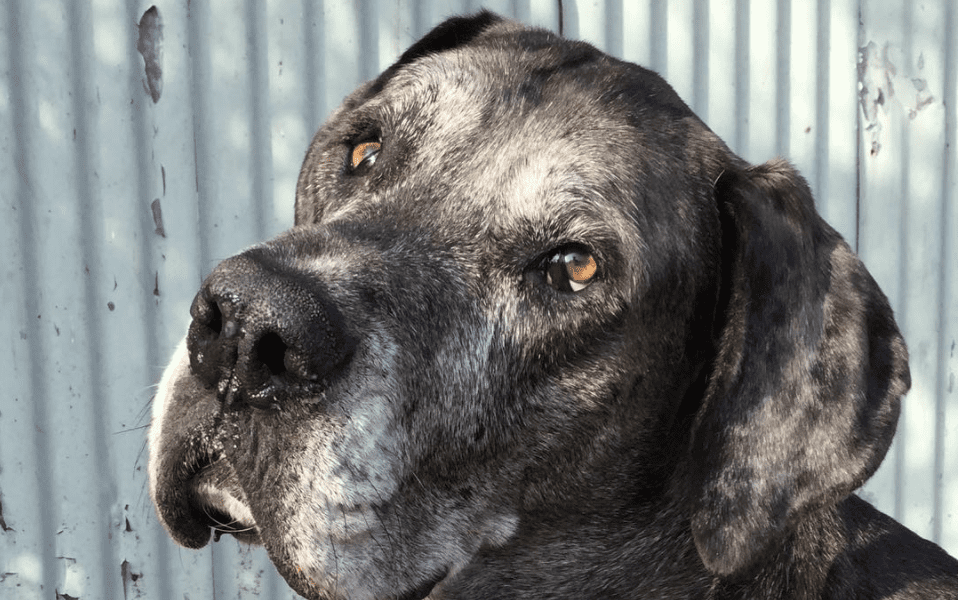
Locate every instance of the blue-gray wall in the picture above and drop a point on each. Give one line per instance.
(859, 94)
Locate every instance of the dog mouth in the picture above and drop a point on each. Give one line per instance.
(219, 500)
(199, 497)
(217, 505)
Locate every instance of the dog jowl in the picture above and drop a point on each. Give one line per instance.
(538, 333)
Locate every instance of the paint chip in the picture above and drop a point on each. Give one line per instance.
(150, 45)
(129, 578)
(158, 217)
(3, 523)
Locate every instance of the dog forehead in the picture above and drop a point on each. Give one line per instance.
(517, 134)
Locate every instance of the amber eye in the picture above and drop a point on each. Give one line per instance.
(571, 269)
(364, 154)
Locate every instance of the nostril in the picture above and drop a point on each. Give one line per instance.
(271, 351)
(210, 315)
(215, 319)
(212, 338)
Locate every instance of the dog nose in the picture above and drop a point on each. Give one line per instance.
(264, 331)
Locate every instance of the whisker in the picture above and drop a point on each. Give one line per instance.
(132, 429)
(226, 527)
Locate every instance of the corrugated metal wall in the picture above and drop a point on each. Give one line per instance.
(110, 171)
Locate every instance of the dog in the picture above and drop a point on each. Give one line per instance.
(538, 333)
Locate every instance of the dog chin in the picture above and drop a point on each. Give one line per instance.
(370, 552)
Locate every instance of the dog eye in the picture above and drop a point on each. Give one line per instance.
(571, 269)
(364, 154)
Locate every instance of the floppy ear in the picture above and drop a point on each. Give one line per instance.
(803, 399)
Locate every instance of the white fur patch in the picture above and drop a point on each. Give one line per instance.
(179, 367)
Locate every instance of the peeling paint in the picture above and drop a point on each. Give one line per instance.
(883, 87)
(875, 73)
(3, 523)
(158, 217)
(129, 577)
(150, 45)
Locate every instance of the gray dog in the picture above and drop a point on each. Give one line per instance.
(538, 333)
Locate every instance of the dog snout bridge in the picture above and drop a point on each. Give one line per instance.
(263, 332)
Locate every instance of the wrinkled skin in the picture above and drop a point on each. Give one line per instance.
(404, 396)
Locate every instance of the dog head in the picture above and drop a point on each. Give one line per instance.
(528, 293)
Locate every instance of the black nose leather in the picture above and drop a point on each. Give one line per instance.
(263, 331)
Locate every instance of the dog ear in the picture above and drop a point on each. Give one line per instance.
(803, 398)
(448, 35)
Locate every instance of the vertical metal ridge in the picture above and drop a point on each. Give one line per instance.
(314, 37)
(946, 272)
(901, 305)
(198, 39)
(143, 179)
(261, 155)
(29, 240)
(742, 83)
(822, 103)
(368, 47)
(859, 137)
(614, 27)
(700, 78)
(783, 83)
(90, 223)
(151, 321)
(659, 36)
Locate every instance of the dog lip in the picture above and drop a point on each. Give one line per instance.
(180, 514)
(216, 494)
(198, 495)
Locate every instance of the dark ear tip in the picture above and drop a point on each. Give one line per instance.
(451, 33)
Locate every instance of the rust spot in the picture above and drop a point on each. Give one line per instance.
(111, 306)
